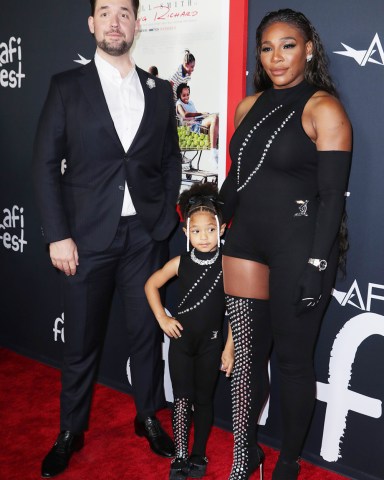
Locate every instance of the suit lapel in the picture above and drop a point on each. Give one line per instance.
(150, 100)
(93, 91)
(90, 83)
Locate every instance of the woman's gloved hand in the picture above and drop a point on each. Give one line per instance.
(308, 290)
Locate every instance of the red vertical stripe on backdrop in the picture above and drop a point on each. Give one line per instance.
(237, 61)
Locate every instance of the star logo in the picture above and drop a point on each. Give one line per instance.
(81, 60)
(354, 296)
(374, 54)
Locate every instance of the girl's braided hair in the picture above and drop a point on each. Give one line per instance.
(201, 197)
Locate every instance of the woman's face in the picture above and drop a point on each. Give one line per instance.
(283, 54)
(189, 67)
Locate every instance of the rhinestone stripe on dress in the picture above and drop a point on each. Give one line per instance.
(203, 298)
(267, 146)
(194, 286)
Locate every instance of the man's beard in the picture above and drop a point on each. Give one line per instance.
(115, 50)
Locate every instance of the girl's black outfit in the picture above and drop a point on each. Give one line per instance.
(194, 358)
(282, 194)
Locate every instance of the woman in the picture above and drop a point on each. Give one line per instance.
(291, 156)
(183, 73)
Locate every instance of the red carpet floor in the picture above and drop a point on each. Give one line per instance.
(29, 414)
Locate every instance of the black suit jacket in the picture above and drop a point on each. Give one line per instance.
(85, 203)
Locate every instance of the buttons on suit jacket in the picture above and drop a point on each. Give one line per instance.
(121, 187)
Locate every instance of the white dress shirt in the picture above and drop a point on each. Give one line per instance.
(125, 100)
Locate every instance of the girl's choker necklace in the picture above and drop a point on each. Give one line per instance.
(204, 262)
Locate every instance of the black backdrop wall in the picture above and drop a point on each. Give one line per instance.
(43, 37)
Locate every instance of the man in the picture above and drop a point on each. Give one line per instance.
(107, 219)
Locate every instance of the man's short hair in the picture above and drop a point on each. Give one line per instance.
(135, 6)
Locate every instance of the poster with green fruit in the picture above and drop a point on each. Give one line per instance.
(190, 140)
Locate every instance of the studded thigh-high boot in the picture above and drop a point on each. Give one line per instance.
(249, 319)
(181, 421)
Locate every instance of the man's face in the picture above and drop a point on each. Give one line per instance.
(114, 26)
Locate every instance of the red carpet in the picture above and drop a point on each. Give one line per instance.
(29, 415)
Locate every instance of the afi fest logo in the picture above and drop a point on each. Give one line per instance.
(12, 229)
(10, 63)
(374, 54)
(58, 328)
(81, 60)
(336, 393)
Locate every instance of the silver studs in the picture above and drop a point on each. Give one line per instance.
(239, 311)
(249, 135)
(180, 424)
(199, 302)
(267, 146)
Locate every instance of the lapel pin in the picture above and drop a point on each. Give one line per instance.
(151, 83)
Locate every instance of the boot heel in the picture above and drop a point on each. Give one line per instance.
(260, 464)
(286, 470)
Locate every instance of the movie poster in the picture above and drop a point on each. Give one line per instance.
(167, 30)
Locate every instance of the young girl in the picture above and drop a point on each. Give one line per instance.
(196, 343)
(187, 111)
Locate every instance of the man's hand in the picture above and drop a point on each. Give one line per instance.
(64, 255)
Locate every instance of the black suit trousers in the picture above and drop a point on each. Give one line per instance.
(126, 265)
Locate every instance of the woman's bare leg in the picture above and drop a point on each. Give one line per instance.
(245, 278)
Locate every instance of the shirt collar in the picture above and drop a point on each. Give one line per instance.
(110, 72)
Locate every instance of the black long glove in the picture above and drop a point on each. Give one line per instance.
(228, 195)
(333, 173)
(308, 290)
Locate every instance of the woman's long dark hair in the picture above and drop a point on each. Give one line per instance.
(316, 71)
(343, 244)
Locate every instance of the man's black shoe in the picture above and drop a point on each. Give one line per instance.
(58, 457)
(158, 439)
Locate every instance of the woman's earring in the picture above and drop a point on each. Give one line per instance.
(309, 57)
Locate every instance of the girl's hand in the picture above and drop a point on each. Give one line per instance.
(170, 326)
(227, 361)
